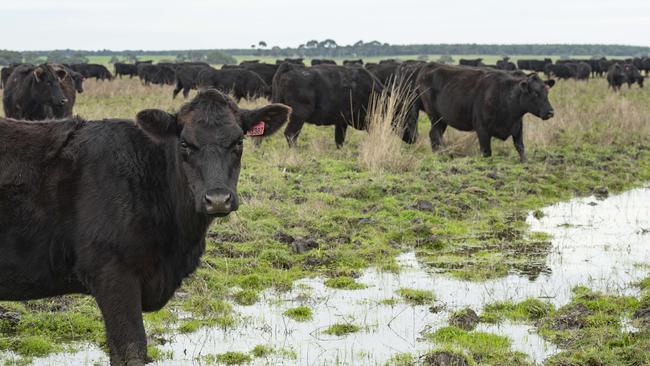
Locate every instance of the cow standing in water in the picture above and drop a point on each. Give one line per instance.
(490, 102)
(119, 210)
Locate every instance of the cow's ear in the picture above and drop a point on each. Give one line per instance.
(38, 72)
(550, 83)
(156, 123)
(524, 85)
(264, 121)
(61, 74)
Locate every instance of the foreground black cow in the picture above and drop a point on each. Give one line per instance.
(32, 92)
(187, 78)
(324, 95)
(129, 243)
(615, 77)
(242, 83)
(99, 72)
(490, 102)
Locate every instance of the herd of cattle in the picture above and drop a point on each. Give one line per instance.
(325, 93)
(119, 209)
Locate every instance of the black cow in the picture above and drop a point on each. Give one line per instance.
(99, 72)
(131, 242)
(632, 75)
(71, 83)
(615, 77)
(583, 70)
(323, 61)
(32, 92)
(490, 102)
(505, 64)
(384, 71)
(560, 71)
(241, 83)
(358, 62)
(122, 68)
(534, 65)
(324, 95)
(295, 61)
(471, 62)
(264, 70)
(187, 78)
(160, 74)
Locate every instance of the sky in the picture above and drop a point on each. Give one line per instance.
(205, 24)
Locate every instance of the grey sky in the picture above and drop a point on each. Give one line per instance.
(194, 24)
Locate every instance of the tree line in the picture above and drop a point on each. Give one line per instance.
(329, 48)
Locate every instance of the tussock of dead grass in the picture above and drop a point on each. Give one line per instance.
(383, 150)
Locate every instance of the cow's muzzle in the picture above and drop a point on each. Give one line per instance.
(219, 202)
(548, 115)
(63, 101)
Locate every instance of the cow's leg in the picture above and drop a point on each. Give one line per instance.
(177, 90)
(186, 92)
(118, 296)
(518, 140)
(484, 141)
(438, 127)
(293, 129)
(339, 134)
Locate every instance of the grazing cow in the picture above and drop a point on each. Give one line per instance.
(358, 62)
(131, 242)
(506, 65)
(318, 61)
(241, 83)
(632, 75)
(187, 78)
(265, 71)
(32, 92)
(534, 65)
(99, 72)
(159, 74)
(295, 61)
(583, 70)
(645, 65)
(615, 77)
(406, 75)
(560, 71)
(385, 71)
(122, 68)
(473, 62)
(324, 95)
(492, 103)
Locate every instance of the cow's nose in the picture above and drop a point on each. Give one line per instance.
(550, 114)
(218, 203)
(63, 101)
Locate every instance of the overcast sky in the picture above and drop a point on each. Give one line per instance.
(197, 24)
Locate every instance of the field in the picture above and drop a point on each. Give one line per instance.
(327, 216)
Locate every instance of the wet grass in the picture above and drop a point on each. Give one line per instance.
(344, 283)
(341, 329)
(416, 297)
(300, 313)
(464, 215)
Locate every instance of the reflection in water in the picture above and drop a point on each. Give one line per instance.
(603, 246)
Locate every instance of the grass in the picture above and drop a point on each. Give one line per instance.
(475, 228)
(344, 283)
(528, 310)
(300, 313)
(341, 329)
(416, 297)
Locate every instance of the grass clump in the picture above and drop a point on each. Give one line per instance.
(246, 297)
(341, 329)
(229, 358)
(528, 310)
(261, 351)
(344, 283)
(486, 347)
(300, 313)
(416, 297)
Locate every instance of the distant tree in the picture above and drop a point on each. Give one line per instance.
(262, 44)
(445, 59)
(130, 57)
(114, 59)
(311, 44)
(61, 57)
(218, 58)
(10, 57)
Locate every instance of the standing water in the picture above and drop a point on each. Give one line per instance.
(602, 244)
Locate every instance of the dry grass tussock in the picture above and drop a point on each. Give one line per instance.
(383, 149)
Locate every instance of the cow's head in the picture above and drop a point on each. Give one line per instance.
(46, 88)
(207, 135)
(534, 96)
(78, 81)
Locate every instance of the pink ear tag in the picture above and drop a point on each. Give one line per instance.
(256, 130)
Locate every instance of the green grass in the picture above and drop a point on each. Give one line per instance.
(416, 297)
(344, 283)
(299, 314)
(341, 329)
(526, 311)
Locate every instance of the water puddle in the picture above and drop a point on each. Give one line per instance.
(604, 245)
